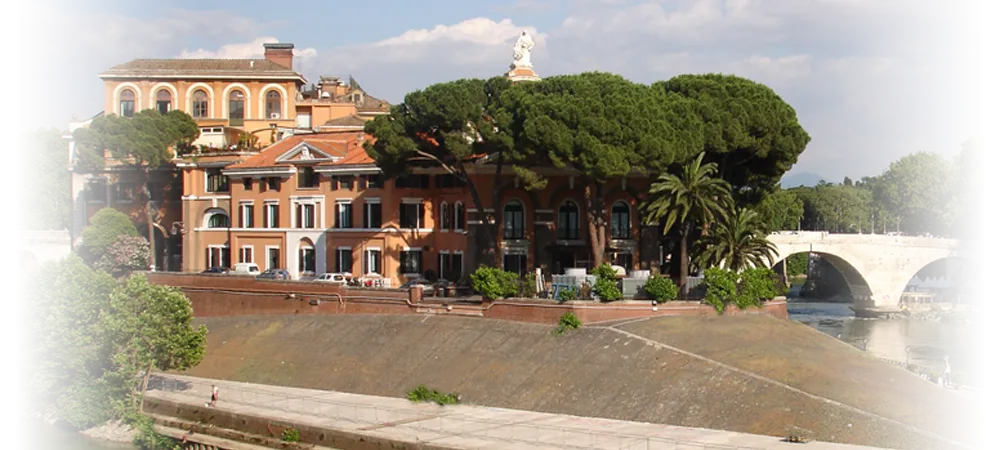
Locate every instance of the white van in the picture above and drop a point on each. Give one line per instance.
(246, 269)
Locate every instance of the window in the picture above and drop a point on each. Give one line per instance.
(215, 181)
(308, 178)
(273, 258)
(125, 192)
(411, 215)
(569, 221)
(246, 215)
(450, 266)
(237, 99)
(447, 181)
(163, 101)
(373, 261)
(459, 216)
(413, 181)
(217, 256)
(199, 104)
(307, 259)
(271, 217)
(126, 103)
(515, 263)
(274, 184)
(621, 227)
(306, 214)
(344, 260)
(373, 182)
(446, 216)
(97, 191)
(273, 105)
(247, 184)
(410, 261)
(372, 214)
(344, 219)
(218, 220)
(344, 182)
(513, 220)
(246, 254)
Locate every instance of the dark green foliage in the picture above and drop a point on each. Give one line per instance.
(752, 134)
(797, 264)
(290, 435)
(746, 289)
(144, 140)
(736, 241)
(49, 196)
(146, 437)
(662, 289)
(781, 210)
(423, 394)
(606, 284)
(720, 288)
(566, 295)
(493, 283)
(105, 228)
(567, 321)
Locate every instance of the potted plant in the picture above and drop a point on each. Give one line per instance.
(960, 377)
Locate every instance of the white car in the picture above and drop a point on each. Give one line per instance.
(332, 278)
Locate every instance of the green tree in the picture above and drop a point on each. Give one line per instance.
(695, 197)
(149, 326)
(104, 230)
(921, 191)
(602, 127)
(737, 241)
(781, 209)
(69, 353)
(143, 142)
(964, 208)
(749, 131)
(128, 253)
(49, 196)
(452, 126)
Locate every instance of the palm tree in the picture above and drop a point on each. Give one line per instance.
(737, 241)
(694, 197)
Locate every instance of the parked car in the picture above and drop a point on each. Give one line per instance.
(246, 269)
(215, 270)
(422, 282)
(332, 278)
(274, 274)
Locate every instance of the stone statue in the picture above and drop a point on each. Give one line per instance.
(522, 50)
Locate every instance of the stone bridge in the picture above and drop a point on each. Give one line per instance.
(877, 267)
(38, 247)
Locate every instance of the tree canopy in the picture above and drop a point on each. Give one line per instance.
(106, 226)
(921, 190)
(50, 196)
(749, 131)
(144, 140)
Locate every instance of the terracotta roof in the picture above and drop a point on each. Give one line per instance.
(201, 67)
(333, 144)
(356, 154)
(346, 121)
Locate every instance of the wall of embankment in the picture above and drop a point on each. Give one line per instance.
(228, 295)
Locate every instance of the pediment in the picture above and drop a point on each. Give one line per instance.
(303, 152)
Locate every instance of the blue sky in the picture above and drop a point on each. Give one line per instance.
(871, 80)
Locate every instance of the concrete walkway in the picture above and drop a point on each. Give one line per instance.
(455, 426)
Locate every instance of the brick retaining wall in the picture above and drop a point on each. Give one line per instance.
(231, 295)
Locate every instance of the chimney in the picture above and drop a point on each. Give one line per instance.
(280, 54)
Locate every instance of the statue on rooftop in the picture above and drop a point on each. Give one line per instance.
(522, 50)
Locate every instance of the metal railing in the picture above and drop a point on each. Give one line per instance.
(418, 425)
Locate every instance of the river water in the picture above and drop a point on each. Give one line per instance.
(921, 343)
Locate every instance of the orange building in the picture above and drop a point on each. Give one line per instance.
(240, 105)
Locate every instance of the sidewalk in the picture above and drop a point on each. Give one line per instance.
(456, 426)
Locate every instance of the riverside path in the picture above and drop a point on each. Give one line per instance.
(453, 426)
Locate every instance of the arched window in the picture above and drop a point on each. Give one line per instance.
(459, 216)
(621, 224)
(163, 101)
(513, 220)
(199, 104)
(126, 103)
(446, 217)
(237, 100)
(218, 220)
(273, 106)
(569, 221)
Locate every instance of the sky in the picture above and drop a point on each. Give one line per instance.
(871, 80)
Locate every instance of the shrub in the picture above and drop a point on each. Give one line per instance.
(103, 231)
(662, 289)
(566, 295)
(745, 289)
(128, 253)
(290, 435)
(423, 394)
(606, 285)
(568, 321)
(720, 288)
(493, 283)
(527, 285)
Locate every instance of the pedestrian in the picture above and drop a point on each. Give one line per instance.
(947, 372)
(215, 396)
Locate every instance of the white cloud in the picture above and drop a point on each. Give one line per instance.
(871, 80)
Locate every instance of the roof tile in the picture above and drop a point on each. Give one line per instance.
(181, 66)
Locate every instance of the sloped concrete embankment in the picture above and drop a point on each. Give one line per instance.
(635, 372)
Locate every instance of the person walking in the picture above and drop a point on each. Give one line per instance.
(215, 396)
